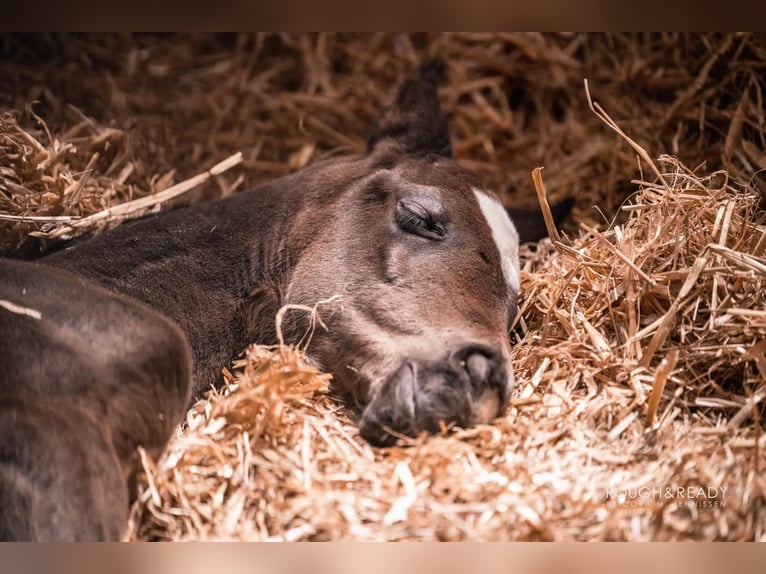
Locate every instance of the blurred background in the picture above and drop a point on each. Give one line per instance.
(140, 112)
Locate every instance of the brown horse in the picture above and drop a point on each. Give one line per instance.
(103, 343)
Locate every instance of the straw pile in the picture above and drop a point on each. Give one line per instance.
(640, 349)
(40, 189)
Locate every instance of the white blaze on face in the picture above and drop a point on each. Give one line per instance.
(505, 235)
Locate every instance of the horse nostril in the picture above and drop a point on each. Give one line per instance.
(479, 368)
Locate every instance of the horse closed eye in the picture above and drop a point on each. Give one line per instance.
(415, 219)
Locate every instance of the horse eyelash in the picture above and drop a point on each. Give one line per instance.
(428, 224)
(415, 219)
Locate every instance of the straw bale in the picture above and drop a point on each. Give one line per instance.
(640, 348)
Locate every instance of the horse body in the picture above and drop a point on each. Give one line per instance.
(86, 376)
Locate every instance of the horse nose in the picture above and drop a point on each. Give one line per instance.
(490, 380)
(479, 368)
(485, 367)
(468, 386)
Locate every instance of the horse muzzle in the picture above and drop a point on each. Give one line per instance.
(470, 386)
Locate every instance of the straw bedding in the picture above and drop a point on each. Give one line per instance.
(640, 351)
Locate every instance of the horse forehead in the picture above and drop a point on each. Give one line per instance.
(435, 182)
(504, 235)
(503, 232)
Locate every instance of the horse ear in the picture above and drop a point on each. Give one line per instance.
(416, 121)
